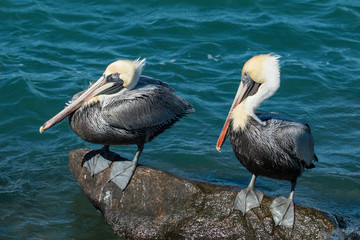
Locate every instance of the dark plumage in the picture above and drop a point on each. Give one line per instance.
(273, 150)
(122, 107)
(134, 117)
(266, 144)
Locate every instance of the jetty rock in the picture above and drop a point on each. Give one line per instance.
(160, 205)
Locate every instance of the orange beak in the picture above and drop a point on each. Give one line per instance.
(245, 88)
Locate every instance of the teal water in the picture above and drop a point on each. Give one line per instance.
(50, 50)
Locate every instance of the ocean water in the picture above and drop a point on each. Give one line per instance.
(49, 50)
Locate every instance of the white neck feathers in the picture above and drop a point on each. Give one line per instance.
(247, 108)
(139, 66)
(271, 70)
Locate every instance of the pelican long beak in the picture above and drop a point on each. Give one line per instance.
(246, 88)
(99, 87)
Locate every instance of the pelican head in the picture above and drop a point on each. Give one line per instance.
(129, 71)
(260, 79)
(118, 75)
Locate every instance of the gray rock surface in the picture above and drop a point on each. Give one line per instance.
(159, 205)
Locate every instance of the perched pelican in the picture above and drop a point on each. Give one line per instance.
(266, 144)
(121, 108)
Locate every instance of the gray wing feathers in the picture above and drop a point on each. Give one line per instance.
(149, 106)
(297, 140)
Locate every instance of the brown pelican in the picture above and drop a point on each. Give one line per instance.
(266, 144)
(121, 108)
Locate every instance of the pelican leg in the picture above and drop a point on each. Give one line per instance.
(283, 210)
(122, 171)
(100, 160)
(248, 198)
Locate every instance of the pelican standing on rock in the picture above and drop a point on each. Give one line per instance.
(121, 108)
(266, 144)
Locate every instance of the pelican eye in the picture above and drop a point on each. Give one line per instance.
(246, 78)
(114, 77)
(252, 86)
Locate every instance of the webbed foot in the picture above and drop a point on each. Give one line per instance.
(247, 199)
(99, 160)
(122, 171)
(282, 210)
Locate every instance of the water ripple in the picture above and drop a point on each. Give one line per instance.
(51, 50)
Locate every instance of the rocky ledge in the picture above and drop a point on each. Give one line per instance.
(159, 205)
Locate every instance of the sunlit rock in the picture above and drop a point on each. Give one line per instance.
(159, 205)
